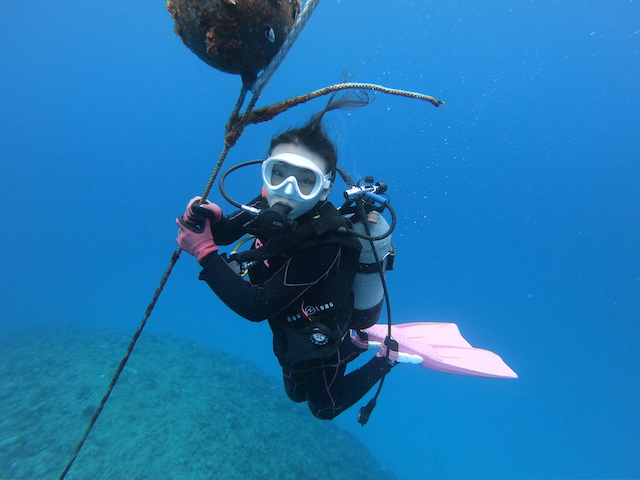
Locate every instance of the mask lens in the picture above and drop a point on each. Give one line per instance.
(306, 181)
(277, 174)
(305, 178)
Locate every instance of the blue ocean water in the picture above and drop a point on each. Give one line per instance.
(518, 204)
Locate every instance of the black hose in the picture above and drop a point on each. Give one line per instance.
(223, 191)
(365, 412)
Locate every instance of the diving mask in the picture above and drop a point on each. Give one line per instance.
(295, 177)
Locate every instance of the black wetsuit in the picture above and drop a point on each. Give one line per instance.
(306, 295)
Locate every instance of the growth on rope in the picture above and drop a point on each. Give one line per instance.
(267, 113)
(234, 36)
(248, 78)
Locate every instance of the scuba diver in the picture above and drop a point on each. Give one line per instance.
(303, 265)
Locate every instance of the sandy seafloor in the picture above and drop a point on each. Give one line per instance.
(179, 411)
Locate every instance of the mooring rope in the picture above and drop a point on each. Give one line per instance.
(227, 144)
(292, 36)
(269, 112)
(234, 129)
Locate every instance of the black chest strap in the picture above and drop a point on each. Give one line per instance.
(319, 225)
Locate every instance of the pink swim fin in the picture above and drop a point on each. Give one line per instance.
(443, 349)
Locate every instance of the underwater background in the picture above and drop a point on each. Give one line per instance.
(519, 221)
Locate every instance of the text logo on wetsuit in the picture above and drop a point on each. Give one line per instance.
(310, 310)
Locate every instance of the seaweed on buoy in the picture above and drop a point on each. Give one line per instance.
(234, 36)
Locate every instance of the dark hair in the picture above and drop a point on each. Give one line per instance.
(312, 135)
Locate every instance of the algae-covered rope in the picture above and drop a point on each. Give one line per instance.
(228, 142)
(292, 36)
(134, 340)
(236, 123)
(235, 127)
(152, 304)
(269, 112)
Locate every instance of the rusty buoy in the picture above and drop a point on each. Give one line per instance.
(234, 36)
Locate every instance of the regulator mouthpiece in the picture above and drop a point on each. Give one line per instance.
(274, 219)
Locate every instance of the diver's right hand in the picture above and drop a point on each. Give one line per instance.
(196, 210)
(194, 234)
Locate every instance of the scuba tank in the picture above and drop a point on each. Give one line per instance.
(367, 287)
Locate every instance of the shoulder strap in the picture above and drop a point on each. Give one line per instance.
(319, 225)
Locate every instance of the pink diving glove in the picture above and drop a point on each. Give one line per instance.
(194, 234)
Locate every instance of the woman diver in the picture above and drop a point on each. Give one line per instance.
(302, 284)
